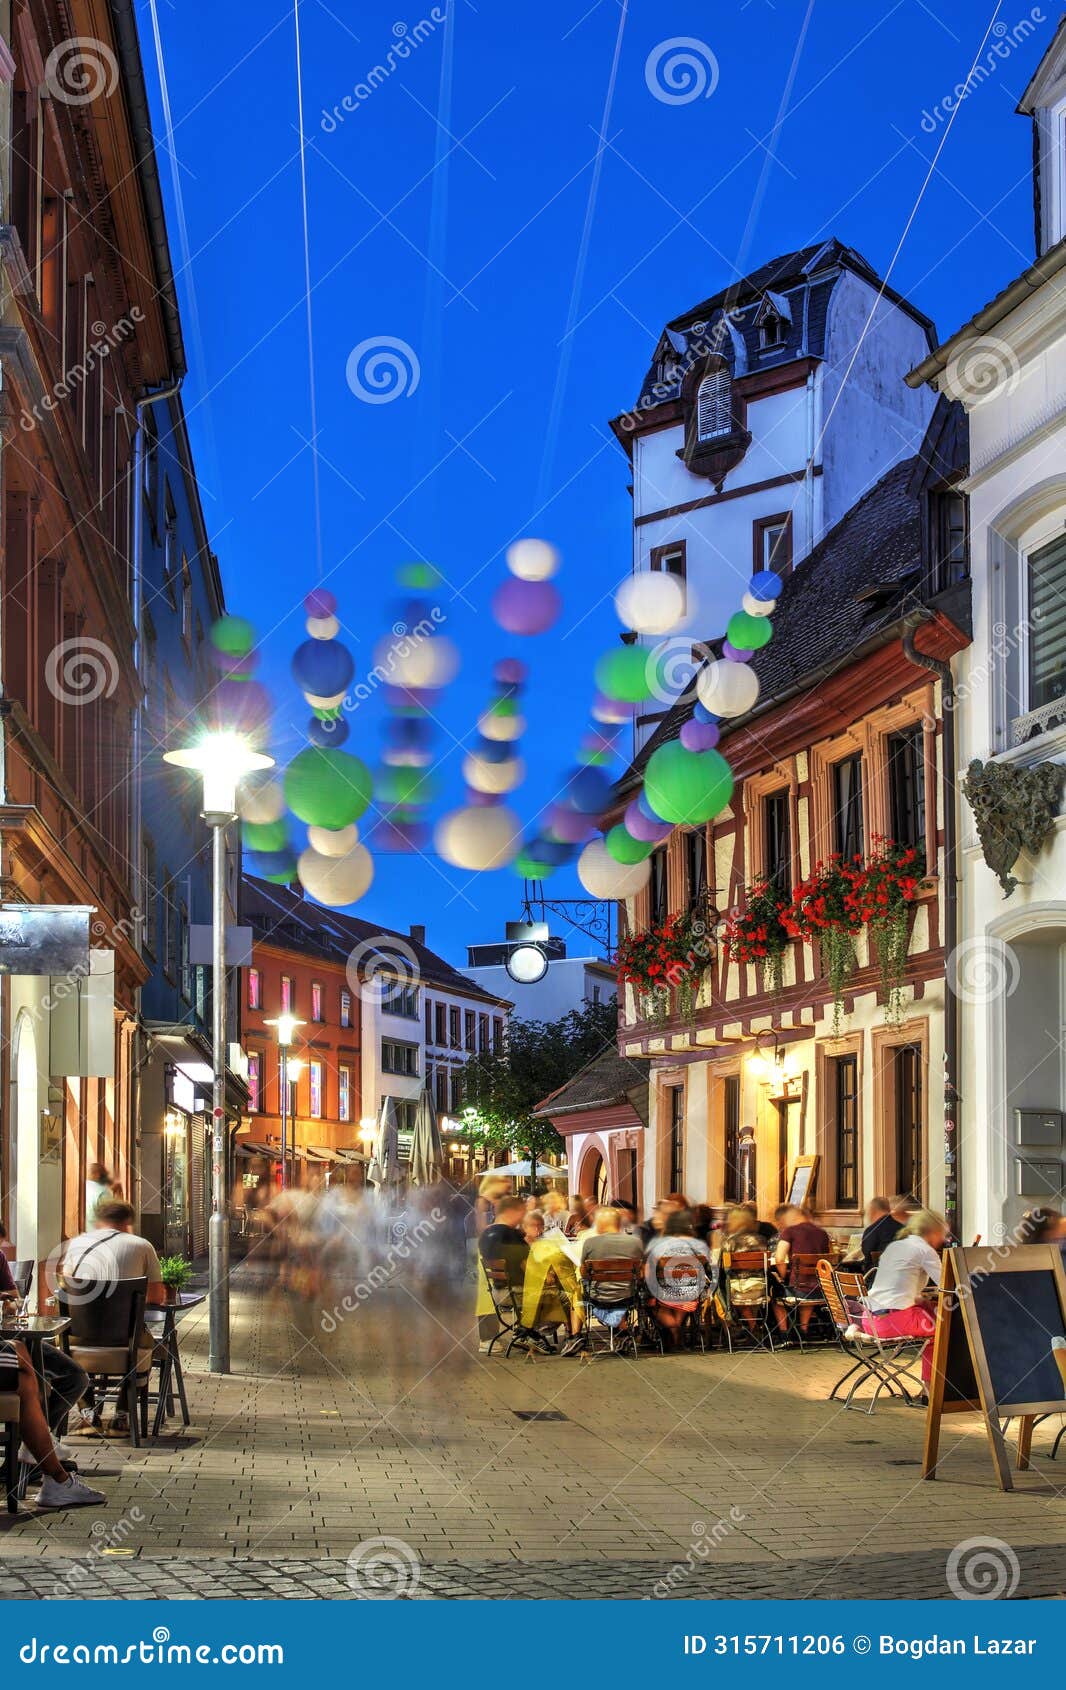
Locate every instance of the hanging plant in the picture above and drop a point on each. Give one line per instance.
(671, 957)
(881, 899)
(758, 933)
(824, 908)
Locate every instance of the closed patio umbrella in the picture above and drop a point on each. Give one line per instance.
(427, 1151)
(521, 1170)
(384, 1166)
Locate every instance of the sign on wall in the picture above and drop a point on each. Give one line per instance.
(40, 939)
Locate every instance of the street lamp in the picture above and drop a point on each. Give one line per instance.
(221, 760)
(288, 1068)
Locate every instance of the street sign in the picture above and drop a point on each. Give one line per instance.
(38, 939)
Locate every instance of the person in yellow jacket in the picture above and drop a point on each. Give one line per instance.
(554, 1301)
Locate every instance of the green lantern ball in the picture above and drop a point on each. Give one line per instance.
(417, 577)
(233, 635)
(265, 836)
(623, 674)
(530, 867)
(687, 787)
(327, 788)
(748, 633)
(624, 848)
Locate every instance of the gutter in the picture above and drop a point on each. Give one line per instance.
(952, 1159)
(990, 315)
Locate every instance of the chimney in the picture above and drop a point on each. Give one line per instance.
(418, 933)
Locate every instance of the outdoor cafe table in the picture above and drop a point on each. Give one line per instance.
(36, 1330)
(164, 1321)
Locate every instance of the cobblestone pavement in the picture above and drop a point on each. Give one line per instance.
(682, 1476)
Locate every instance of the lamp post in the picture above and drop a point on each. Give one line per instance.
(286, 1025)
(221, 760)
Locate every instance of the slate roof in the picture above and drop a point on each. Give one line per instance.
(848, 593)
(279, 916)
(606, 1080)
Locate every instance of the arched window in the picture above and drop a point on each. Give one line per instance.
(714, 405)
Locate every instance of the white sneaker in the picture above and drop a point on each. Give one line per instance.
(61, 1450)
(485, 1346)
(852, 1332)
(72, 1494)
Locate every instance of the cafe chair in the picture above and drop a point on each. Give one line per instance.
(107, 1320)
(9, 1419)
(885, 1361)
(505, 1290)
(610, 1288)
(803, 1289)
(22, 1274)
(691, 1281)
(752, 1267)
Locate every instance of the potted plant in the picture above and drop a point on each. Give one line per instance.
(758, 934)
(176, 1273)
(824, 907)
(881, 898)
(665, 959)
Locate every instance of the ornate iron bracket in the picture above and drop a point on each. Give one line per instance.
(1014, 809)
(592, 916)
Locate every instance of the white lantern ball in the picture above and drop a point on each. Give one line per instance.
(532, 560)
(479, 837)
(484, 776)
(336, 881)
(264, 802)
(651, 602)
(602, 877)
(407, 660)
(333, 841)
(727, 689)
(758, 607)
(501, 728)
(320, 703)
(323, 627)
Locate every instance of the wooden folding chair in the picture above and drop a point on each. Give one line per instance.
(615, 1287)
(888, 1361)
(505, 1289)
(747, 1264)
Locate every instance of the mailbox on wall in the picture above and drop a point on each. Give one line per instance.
(1039, 1127)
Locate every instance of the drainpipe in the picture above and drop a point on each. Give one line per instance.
(952, 1158)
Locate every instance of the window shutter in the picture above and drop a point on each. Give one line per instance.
(1047, 624)
(714, 405)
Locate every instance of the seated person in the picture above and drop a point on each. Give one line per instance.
(110, 1251)
(767, 1230)
(885, 1217)
(556, 1211)
(66, 1382)
(501, 1238)
(551, 1295)
(60, 1488)
(677, 1293)
(907, 1266)
(746, 1291)
(608, 1243)
(799, 1236)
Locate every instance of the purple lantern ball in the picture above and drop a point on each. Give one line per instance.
(320, 603)
(230, 663)
(240, 705)
(734, 656)
(526, 607)
(699, 736)
(483, 800)
(410, 700)
(612, 707)
(647, 831)
(569, 825)
(510, 672)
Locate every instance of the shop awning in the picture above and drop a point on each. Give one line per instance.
(190, 1053)
(250, 1147)
(315, 1153)
(350, 1157)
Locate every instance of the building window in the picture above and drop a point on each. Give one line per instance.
(442, 1024)
(772, 543)
(255, 989)
(696, 865)
(291, 1075)
(949, 531)
(482, 1033)
(659, 899)
(253, 1082)
(907, 1081)
(844, 1128)
(778, 843)
(497, 1035)
(441, 1090)
(906, 790)
(714, 405)
(186, 600)
(147, 894)
(676, 1119)
(470, 1030)
(455, 1028)
(848, 840)
(731, 1138)
(457, 1090)
(288, 996)
(397, 1058)
(184, 966)
(1047, 624)
(429, 1021)
(170, 548)
(316, 1001)
(344, 1092)
(772, 330)
(316, 1090)
(627, 1176)
(200, 989)
(346, 1009)
(169, 935)
(400, 999)
(671, 559)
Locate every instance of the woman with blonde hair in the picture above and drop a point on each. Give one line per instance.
(746, 1291)
(898, 1306)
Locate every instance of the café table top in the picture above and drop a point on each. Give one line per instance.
(36, 1326)
(185, 1300)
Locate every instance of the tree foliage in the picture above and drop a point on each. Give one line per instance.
(540, 1056)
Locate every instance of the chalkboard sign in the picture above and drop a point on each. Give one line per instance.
(804, 1175)
(999, 1310)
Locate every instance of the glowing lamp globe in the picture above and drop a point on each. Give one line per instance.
(603, 877)
(622, 673)
(526, 607)
(687, 787)
(621, 845)
(327, 788)
(651, 602)
(479, 838)
(727, 689)
(532, 560)
(335, 881)
(222, 760)
(748, 633)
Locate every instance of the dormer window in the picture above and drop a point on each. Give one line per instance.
(773, 320)
(771, 332)
(714, 405)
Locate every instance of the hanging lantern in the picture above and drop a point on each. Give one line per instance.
(588, 790)
(279, 867)
(322, 627)
(331, 732)
(494, 777)
(687, 787)
(336, 881)
(332, 842)
(621, 845)
(651, 602)
(322, 668)
(748, 633)
(622, 673)
(479, 838)
(526, 607)
(233, 635)
(264, 802)
(699, 736)
(603, 877)
(649, 829)
(765, 584)
(327, 788)
(532, 560)
(265, 836)
(728, 689)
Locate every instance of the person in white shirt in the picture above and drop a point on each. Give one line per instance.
(112, 1250)
(898, 1308)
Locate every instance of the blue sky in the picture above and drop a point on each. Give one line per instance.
(468, 208)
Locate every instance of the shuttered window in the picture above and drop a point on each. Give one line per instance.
(714, 405)
(1047, 624)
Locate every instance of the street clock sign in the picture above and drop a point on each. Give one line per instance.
(38, 939)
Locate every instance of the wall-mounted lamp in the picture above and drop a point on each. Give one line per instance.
(768, 1061)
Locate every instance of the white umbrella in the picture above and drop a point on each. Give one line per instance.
(427, 1151)
(521, 1170)
(384, 1166)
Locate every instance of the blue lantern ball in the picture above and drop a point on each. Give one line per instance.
(765, 585)
(327, 734)
(588, 790)
(322, 668)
